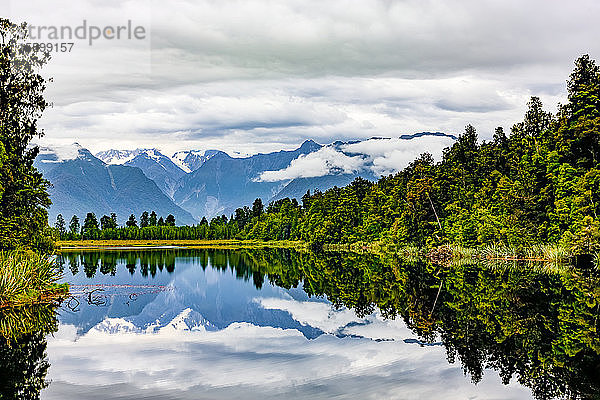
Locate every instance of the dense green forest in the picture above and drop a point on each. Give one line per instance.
(538, 184)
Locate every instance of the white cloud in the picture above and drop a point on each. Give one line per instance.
(256, 362)
(62, 152)
(319, 163)
(392, 155)
(316, 314)
(378, 156)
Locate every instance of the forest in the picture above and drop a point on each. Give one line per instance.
(539, 183)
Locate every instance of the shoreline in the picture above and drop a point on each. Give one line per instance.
(74, 245)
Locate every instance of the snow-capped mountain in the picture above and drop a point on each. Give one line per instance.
(155, 165)
(82, 183)
(224, 183)
(123, 157)
(187, 320)
(116, 157)
(191, 160)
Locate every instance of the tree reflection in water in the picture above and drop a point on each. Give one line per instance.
(534, 324)
(23, 361)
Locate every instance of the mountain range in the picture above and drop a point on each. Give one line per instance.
(85, 184)
(197, 183)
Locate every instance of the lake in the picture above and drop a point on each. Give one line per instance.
(274, 323)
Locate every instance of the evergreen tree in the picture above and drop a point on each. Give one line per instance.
(153, 219)
(60, 225)
(306, 200)
(161, 222)
(131, 222)
(74, 225)
(113, 218)
(170, 221)
(90, 226)
(104, 222)
(23, 195)
(144, 220)
(107, 222)
(257, 208)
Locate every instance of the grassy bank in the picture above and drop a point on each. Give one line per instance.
(221, 244)
(553, 253)
(27, 278)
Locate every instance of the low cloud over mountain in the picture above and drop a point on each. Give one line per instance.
(376, 156)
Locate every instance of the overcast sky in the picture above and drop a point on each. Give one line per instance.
(256, 76)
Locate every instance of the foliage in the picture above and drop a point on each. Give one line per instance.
(23, 196)
(27, 278)
(24, 367)
(108, 228)
(23, 350)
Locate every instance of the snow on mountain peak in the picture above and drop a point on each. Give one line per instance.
(191, 160)
(120, 157)
(187, 320)
(116, 325)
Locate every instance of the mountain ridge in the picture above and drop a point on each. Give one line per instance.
(84, 183)
(218, 183)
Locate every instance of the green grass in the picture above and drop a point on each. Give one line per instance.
(189, 243)
(28, 278)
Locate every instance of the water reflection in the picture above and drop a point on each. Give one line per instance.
(533, 324)
(23, 362)
(148, 262)
(255, 310)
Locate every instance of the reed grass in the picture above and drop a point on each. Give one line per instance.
(540, 252)
(28, 278)
(543, 258)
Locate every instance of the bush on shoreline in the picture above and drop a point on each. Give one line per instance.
(28, 278)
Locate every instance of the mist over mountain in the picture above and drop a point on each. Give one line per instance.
(224, 183)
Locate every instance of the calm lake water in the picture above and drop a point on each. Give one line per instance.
(223, 324)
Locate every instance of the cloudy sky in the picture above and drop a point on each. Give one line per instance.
(257, 75)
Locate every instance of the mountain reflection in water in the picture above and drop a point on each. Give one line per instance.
(185, 323)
